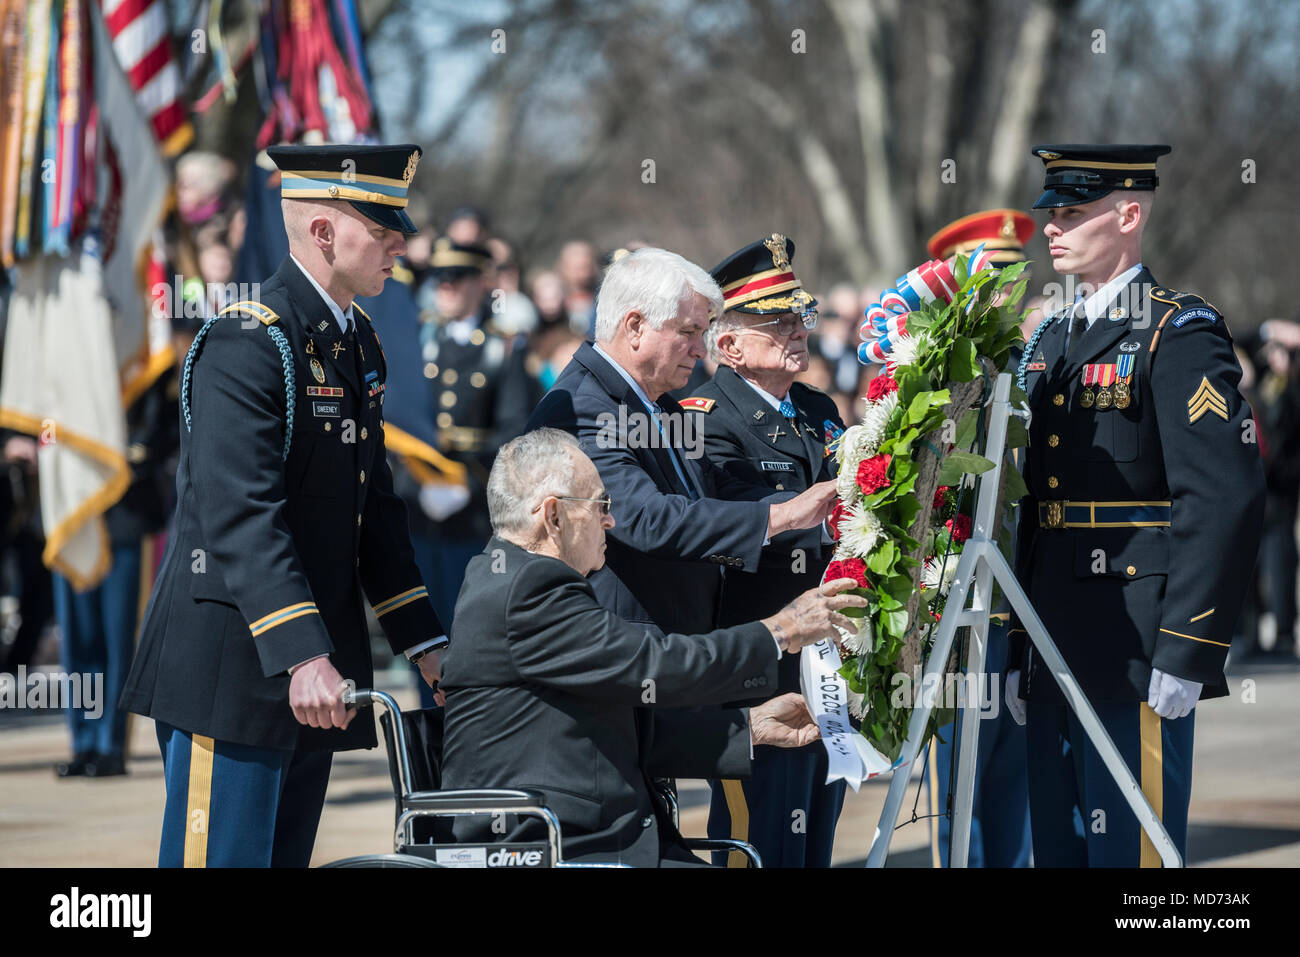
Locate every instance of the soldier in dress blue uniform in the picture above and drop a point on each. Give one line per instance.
(481, 395)
(999, 827)
(286, 523)
(766, 429)
(1143, 518)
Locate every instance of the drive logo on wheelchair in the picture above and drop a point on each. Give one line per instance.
(504, 858)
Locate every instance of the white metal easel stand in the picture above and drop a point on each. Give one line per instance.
(979, 565)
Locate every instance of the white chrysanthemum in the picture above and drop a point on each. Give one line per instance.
(856, 703)
(861, 442)
(860, 531)
(874, 421)
(905, 350)
(933, 577)
(858, 642)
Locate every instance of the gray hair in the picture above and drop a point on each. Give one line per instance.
(724, 323)
(526, 470)
(653, 282)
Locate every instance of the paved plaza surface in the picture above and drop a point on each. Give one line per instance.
(1245, 809)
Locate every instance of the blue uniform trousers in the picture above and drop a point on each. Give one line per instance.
(232, 805)
(1079, 818)
(98, 627)
(786, 810)
(999, 826)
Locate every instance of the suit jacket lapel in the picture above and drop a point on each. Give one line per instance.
(618, 389)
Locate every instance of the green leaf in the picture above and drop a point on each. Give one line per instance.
(1011, 273)
(964, 365)
(1016, 487)
(895, 622)
(966, 429)
(881, 561)
(1017, 436)
(959, 463)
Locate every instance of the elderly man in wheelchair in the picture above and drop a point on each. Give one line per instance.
(560, 716)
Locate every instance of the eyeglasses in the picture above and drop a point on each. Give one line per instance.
(787, 324)
(605, 502)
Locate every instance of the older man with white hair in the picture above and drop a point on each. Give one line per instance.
(547, 690)
(681, 521)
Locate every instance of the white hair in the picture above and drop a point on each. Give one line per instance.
(653, 282)
(526, 470)
(728, 321)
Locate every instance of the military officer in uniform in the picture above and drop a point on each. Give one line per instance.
(1143, 517)
(999, 827)
(481, 395)
(766, 429)
(286, 522)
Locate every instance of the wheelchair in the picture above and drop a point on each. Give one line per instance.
(422, 835)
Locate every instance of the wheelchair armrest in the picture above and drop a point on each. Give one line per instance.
(474, 799)
(725, 844)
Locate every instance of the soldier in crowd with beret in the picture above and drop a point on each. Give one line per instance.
(1145, 504)
(764, 428)
(286, 524)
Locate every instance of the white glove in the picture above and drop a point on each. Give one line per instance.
(1170, 696)
(440, 501)
(1015, 703)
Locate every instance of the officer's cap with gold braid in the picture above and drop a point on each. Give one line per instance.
(760, 280)
(1079, 173)
(1003, 232)
(451, 260)
(374, 179)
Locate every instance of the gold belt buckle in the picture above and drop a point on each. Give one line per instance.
(1056, 515)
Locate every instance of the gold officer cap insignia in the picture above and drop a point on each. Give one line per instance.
(776, 243)
(412, 161)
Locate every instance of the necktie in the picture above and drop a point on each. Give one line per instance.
(656, 413)
(1078, 326)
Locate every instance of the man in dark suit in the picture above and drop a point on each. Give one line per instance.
(682, 520)
(764, 428)
(548, 690)
(1139, 533)
(286, 522)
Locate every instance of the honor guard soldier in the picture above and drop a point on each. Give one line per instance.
(286, 522)
(764, 428)
(1145, 505)
(481, 396)
(999, 827)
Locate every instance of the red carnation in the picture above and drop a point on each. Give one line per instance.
(838, 514)
(959, 525)
(873, 473)
(881, 386)
(940, 497)
(854, 568)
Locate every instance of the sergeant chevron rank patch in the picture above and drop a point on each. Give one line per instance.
(1204, 400)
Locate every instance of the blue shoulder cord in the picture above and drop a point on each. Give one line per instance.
(286, 361)
(1030, 346)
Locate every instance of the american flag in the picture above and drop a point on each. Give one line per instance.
(143, 47)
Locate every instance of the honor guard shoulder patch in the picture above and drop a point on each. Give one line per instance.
(255, 309)
(698, 404)
(1206, 399)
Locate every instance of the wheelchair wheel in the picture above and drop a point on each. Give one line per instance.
(383, 860)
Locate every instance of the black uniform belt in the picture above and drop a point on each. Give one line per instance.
(1103, 514)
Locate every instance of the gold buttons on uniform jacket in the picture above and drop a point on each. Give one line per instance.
(449, 376)
(477, 337)
(328, 426)
(1053, 440)
(358, 521)
(448, 399)
(1052, 481)
(431, 370)
(363, 476)
(478, 380)
(364, 433)
(780, 487)
(1131, 571)
(1058, 399)
(444, 420)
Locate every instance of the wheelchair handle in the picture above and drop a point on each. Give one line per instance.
(369, 697)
